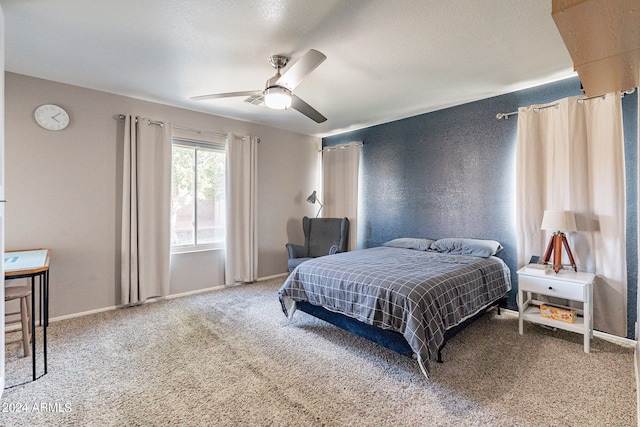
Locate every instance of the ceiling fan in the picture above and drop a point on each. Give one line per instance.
(278, 91)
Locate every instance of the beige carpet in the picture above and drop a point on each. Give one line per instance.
(230, 358)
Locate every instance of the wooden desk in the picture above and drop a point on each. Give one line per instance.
(32, 263)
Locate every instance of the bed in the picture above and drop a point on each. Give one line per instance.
(408, 294)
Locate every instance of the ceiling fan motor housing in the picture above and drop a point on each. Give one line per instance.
(278, 61)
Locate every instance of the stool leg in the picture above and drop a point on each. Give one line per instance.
(24, 317)
(29, 314)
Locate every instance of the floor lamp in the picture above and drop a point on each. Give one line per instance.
(313, 198)
(558, 222)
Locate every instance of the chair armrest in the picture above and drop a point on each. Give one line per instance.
(296, 251)
(333, 249)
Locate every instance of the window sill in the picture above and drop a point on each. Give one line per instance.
(178, 251)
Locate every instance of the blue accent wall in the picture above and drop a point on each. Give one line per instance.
(451, 173)
(630, 122)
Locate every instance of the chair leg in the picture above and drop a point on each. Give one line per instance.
(26, 327)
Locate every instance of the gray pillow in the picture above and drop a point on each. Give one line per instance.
(473, 247)
(410, 243)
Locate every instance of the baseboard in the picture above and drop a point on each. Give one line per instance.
(624, 342)
(83, 313)
(151, 300)
(275, 276)
(197, 291)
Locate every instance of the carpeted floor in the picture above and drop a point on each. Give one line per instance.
(230, 358)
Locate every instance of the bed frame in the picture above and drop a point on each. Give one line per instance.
(384, 337)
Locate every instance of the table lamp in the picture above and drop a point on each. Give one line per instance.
(558, 222)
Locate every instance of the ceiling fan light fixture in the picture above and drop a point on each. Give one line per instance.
(278, 93)
(277, 97)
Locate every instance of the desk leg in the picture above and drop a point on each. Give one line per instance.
(46, 298)
(46, 317)
(33, 327)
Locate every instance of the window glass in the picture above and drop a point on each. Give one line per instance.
(197, 195)
(211, 207)
(182, 200)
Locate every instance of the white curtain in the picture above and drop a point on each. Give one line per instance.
(146, 210)
(570, 156)
(241, 256)
(340, 170)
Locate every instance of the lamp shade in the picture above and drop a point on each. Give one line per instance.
(558, 221)
(312, 197)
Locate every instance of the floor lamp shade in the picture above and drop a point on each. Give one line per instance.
(313, 198)
(558, 222)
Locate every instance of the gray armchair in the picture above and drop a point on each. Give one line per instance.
(322, 236)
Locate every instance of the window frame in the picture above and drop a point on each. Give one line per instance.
(196, 144)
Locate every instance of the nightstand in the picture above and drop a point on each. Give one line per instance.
(570, 285)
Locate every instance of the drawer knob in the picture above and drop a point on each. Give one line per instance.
(550, 288)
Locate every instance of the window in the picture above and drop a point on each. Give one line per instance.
(197, 195)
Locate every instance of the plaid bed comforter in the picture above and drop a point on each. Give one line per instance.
(416, 293)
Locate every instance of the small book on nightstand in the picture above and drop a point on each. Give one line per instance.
(538, 269)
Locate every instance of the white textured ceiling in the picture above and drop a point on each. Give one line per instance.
(386, 60)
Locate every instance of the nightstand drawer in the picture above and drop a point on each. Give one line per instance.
(549, 285)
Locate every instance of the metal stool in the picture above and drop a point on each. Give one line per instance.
(24, 294)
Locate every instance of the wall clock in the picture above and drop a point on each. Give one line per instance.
(51, 117)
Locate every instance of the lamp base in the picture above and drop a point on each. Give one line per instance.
(556, 242)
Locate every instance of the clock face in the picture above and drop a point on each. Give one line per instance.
(51, 117)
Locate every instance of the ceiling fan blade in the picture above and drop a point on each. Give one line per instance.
(298, 71)
(306, 109)
(226, 95)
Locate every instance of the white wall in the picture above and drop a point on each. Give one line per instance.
(64, 190)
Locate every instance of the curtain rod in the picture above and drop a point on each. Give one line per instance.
(242, 138)
(342, 146)
(161, 124)
(505, 116)
(149, 122)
